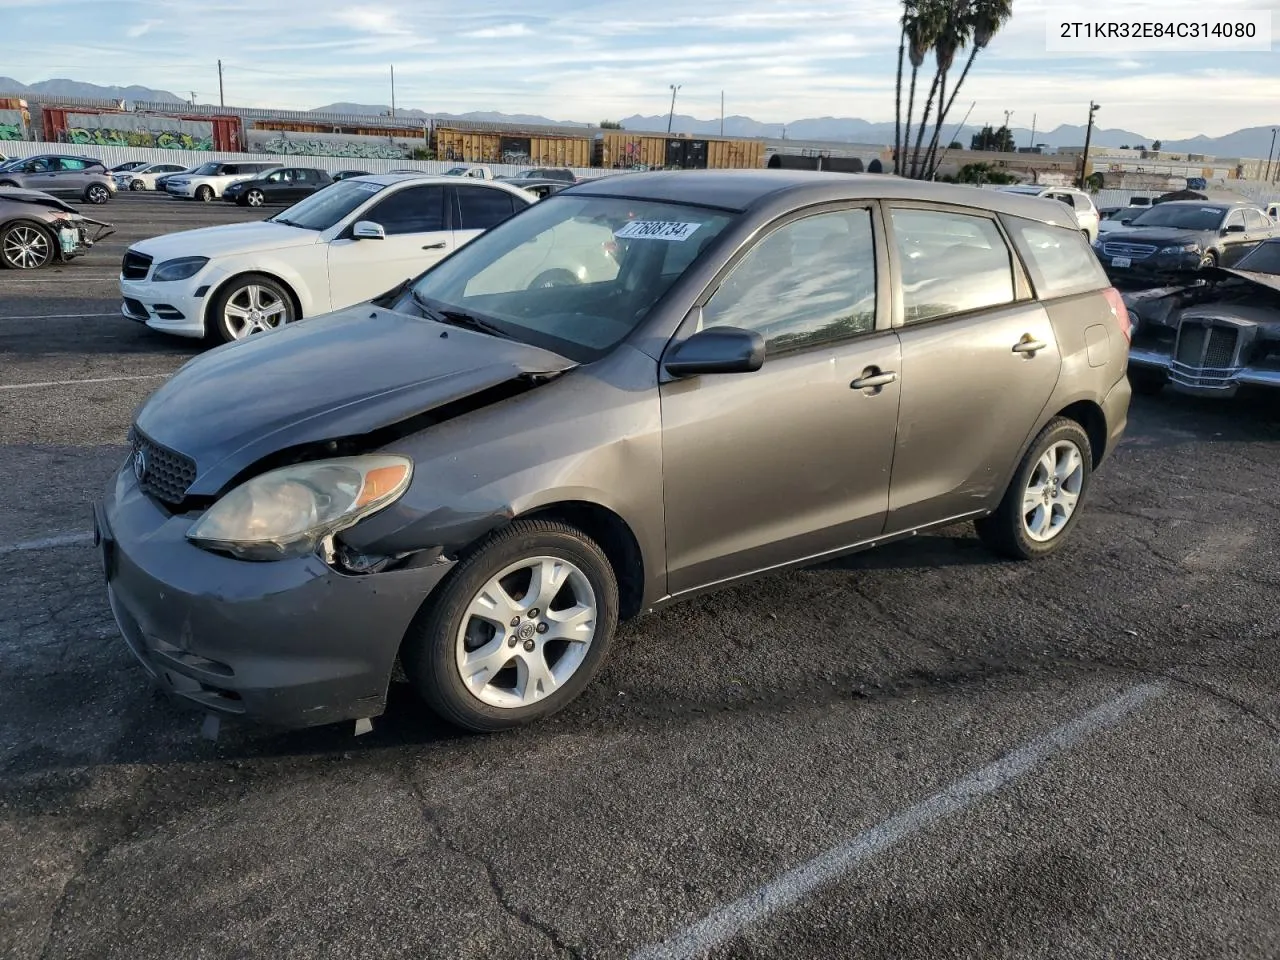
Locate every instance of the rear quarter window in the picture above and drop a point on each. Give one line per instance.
(1059, 260)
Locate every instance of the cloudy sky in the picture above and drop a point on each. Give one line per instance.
(776, 60)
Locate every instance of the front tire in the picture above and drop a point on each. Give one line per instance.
(25, 246)
(97, 194)
(1043, 500)
(518, 629)
(255, 198)
(137, 185)
(249, 305)
(1210, 259)
(204, 194)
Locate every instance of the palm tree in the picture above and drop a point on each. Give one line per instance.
(908, 8)
(923, 24)
(986, 17)
(954, 36)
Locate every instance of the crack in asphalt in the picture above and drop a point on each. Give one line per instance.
(520, 914)
(126, 824)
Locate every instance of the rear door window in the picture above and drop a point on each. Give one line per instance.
(1255, 220)
(480, 208)
(1059, 260)
(950, 263)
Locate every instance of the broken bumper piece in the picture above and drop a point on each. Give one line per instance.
(292, 643)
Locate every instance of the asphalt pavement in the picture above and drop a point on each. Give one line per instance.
(918, 752)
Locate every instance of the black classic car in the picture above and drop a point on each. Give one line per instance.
(280, 186)
(1211, 335)
(1180, 237)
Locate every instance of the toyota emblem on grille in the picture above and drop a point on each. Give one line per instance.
(140, 464)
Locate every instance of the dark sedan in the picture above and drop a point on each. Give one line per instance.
(1213, 337)
(287, 185)
(1182, 236)
(538, 186)
(348, 174)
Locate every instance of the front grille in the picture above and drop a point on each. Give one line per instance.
(166, 474)
(1222, 347)
(136, 266)
(1134, 251)
(1191, 340)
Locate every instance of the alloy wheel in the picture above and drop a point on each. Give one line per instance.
(26, 248)
(1053, 491)
(526, 632)
(98, 194)
(254, 309)
(254, 198)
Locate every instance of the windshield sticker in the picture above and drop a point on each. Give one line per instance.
(657, 230)
(367, 186)
(1210, 210)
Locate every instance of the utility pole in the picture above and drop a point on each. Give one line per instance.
(1032, 144)
(722, 113)
(1007, 115)
(222, 101)
(1088, 135)
(1267, 175)
(193, 98)
(393, 91)
(675, 88)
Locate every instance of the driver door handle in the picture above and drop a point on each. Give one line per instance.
(873, 379)
(1029, 345)
(434, 246)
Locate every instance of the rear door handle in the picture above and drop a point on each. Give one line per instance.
(434, 246)
(873, 379)
(1029, 345)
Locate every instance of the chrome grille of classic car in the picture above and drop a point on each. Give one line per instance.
(161, 472)
(135, 266)
(1134, 251)
(1205, 355)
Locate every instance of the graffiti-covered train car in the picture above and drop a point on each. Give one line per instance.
(15, 119)
(626, 151)
(162, 131)
(513, 146)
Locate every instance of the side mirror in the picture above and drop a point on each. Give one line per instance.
(716, 350)
(368, 230)
(1234, 228)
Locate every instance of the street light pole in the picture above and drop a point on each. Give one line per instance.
(1267, 175)
(1013, 146)
(1088, 135)
(675, 88)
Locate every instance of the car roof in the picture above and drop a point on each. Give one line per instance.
(388, 179)
(741, 190)
(1207, 203)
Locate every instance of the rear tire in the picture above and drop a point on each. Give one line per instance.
(1033, 519)
(448, 631)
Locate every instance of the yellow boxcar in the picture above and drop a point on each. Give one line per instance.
(469, 146)
(621, 151)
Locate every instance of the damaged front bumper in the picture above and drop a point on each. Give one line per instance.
(290, 643)
(77, 236)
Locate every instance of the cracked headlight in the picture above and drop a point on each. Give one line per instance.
(181, 269)
(287, 512)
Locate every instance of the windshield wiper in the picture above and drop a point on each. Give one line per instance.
(459, 318)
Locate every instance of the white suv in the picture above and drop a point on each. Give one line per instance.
(1077, 200)
(207, 181)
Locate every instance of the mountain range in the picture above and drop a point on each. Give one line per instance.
(1250, 142)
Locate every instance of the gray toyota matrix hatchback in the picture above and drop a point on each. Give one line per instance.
(480, 475)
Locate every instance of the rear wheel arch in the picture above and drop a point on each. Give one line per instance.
(1089, 415)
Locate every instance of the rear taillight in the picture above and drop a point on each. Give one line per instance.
(1119, 311)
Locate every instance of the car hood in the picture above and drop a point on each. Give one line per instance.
(37, 197)
(1164, 236)
(227, 238)
(341, 375)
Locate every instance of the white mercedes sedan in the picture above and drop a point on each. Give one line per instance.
(338, 247)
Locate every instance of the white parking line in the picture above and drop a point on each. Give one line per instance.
(68, 383)
(48, 543)
(63, 316)
(791, 887)
(8, 280)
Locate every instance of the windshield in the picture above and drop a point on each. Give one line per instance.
(573, 274)
(1264, 258)
(325, 207)
(1179, 217)
(206, 169)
